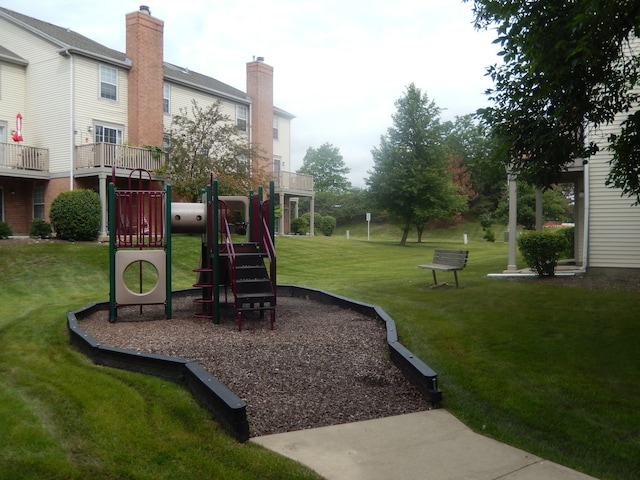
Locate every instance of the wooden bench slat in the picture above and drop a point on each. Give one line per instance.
(446, 260)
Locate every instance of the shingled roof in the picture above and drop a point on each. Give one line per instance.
(68, 40)
(65, 38)
(9, 56)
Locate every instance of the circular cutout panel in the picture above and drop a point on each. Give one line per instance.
(140, 277)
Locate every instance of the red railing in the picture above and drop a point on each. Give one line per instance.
(266, 243)
(139, 215)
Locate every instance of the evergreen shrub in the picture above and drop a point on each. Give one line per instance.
(299, 226)
(328, 225)
(541, 250)
(5, 230)
(75, 215)
(40, 229)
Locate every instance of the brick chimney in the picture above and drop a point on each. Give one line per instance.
(260, 90)
(145, 35)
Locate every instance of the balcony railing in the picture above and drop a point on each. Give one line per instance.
(93, 155)
(293, 181)
(24, 157)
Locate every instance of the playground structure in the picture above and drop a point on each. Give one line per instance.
(141, 223)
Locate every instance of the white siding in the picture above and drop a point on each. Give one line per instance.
(282, 146)
(90, 107)
(12, 93)
(182, 97)
(47, 110)
(614, 224)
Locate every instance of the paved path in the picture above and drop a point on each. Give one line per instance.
(430, 445)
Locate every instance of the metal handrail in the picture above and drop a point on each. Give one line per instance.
(266, 243)
(231, 253)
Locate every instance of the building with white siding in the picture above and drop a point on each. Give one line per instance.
(88, 110)
(607, 224)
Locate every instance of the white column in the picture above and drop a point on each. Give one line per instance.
(104, 202)
(513, 222)
(312, 223)
(282, 214)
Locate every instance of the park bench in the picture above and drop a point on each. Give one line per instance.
(445, 260)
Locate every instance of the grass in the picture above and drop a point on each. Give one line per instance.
(62, 417)
(549, 369)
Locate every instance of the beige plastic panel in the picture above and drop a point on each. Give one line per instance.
(188, 218)
(157, 294)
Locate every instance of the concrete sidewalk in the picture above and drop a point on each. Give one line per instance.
(430, 445)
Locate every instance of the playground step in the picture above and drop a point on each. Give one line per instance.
(257, 286)
(247, 272)
(253, 298)
(205, 301)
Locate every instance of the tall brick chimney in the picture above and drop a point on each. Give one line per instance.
(260, 90)
(145, 35)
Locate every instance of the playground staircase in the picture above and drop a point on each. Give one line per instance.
(252, 287)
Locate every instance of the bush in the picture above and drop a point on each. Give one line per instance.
(40, 229)
(328, 225)
(75, 215)
(5, 230)
(489, 235)
(569, 251)
(542, 250)
(299, 226)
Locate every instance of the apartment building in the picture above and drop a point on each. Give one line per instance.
(85, 111)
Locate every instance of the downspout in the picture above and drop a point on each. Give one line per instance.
(585, 220)
(586, 208)
(72, 120)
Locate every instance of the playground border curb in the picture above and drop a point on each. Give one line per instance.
(227, 408)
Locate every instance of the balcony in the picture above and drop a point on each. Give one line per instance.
(94, 155)
(23, 157)
(292, 182)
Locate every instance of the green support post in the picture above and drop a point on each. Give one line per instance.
(250, 219)
(168, 309)
(272, 211)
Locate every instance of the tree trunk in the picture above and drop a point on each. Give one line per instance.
(420, 231)
(405, 234)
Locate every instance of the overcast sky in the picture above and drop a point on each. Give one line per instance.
(339, 65)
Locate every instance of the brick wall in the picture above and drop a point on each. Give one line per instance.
(145, 50)
(260, 90)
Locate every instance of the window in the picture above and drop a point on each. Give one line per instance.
(277, 162)
(38, 203)
(108, 134)
(1, 204)
(108, 82)
(241, 117)
(275, 128)
(166, 95)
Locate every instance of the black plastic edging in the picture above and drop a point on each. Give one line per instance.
(227, 408)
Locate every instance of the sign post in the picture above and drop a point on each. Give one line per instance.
(368, 224)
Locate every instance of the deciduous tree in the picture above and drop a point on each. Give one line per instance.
(327, 167)
(564, 64)
(204, 140)
(409, 177)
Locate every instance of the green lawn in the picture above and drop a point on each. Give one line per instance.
(552, 370)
